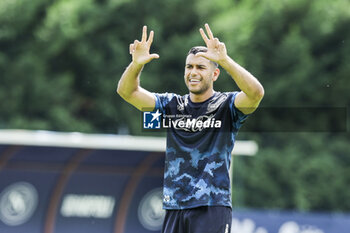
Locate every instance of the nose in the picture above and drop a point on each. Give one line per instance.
(193, 72)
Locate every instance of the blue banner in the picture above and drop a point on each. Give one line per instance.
(48, 189)
(254, 221)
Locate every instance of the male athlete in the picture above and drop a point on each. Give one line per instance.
(204, 124)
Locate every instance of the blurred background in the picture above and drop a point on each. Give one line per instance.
(60, 62)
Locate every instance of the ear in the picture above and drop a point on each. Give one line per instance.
(216, 74)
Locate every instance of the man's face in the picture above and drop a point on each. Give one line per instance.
(199, 74)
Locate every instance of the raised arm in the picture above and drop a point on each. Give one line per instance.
(252, 92)
(129, 85)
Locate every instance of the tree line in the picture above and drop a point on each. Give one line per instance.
(60, 62)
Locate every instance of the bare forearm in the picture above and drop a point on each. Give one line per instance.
(130, 80)
(244, 80)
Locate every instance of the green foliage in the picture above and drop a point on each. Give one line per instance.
(304, 171)
(60, 62)
(299, 50)
(296, 48)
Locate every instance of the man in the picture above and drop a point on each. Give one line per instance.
(197, 193)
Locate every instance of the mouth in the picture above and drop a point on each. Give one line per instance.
(193, 81)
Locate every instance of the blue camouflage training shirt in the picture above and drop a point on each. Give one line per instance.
(200, 138)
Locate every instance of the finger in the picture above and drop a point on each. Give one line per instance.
(150, 38)
(201, 54)
(210, 34)
(204, 36)
(136, 43)
(222, 45)
(131, 48)
(144, 34)
(154, 56)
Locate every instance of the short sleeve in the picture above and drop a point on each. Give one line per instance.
(237, 116)
(162, 100)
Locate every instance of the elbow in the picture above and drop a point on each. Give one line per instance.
(257, 94)
(121, 93)
(260, 92)
(119, 90)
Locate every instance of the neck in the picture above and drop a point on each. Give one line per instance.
(197, 98)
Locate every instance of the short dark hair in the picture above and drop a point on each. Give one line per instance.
(197, 49)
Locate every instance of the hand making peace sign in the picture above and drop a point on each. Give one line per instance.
(216, 49)
(140, 49)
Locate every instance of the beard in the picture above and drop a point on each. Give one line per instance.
(204, 86)
(200, 90)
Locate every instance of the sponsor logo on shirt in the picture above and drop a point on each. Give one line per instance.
(166, 198)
